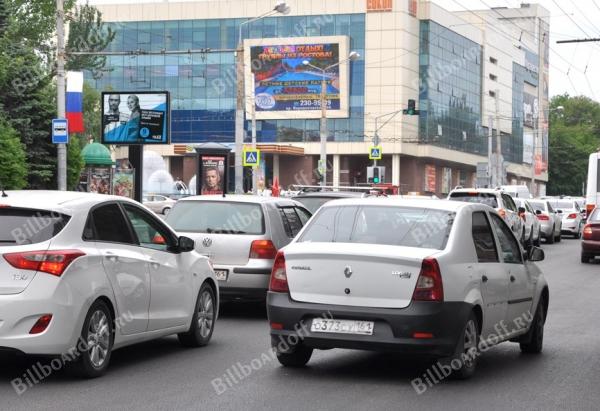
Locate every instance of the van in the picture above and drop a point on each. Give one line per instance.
(517, 191)
(592, 195)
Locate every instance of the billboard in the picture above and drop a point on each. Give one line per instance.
(135, 118)
(284, 87)
(530, 109)
(213, 174)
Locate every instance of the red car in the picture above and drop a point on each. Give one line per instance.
(590, 246)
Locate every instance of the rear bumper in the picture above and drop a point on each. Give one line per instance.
(590, 247)
(546, 229)
(246, 282)
(393, 328)
(569, 226)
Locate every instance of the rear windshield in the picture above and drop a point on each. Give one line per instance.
(383, 225)
(563, 205)
(312, 203)
(481, 198)
(595, 216)
(538, 205)
(217, 217)
(20, 226)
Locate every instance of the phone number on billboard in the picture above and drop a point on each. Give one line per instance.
(313, 103)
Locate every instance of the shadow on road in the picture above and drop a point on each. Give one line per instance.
(238, 309)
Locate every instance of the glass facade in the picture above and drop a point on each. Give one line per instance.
(450, 90)
(202, 86)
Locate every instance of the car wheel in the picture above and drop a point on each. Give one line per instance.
(166, 210)
(203, 321)
(551, 237)
(97, 333)
(538, 240)
(298, 356)
(466, 350)
(585, 258)
(536, 333)
(558, 238)
(577, 235)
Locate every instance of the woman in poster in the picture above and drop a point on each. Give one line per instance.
(133, 125)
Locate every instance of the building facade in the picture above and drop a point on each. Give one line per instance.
(467, 71)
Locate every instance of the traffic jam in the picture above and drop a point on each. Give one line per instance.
(354, 269)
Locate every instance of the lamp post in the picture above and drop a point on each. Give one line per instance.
(280, 8)
(323, 157)
(535, 137)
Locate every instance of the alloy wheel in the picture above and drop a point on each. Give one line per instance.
(98, 338)
(205, 314)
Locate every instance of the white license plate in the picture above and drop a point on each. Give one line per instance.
(323, 325)
(221, 274)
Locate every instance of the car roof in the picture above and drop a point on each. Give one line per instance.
(478, 190)
(444, 205)
(54, 200)
(240, 198)
(331, 194)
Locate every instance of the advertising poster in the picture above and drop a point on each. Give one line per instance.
(135, 118)
(530, 109)
(528, 147)
(99, 181)
(123, 183)
(430, 178)
(285, 77)
(213, 174)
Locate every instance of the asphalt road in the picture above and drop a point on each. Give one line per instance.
(161, 375)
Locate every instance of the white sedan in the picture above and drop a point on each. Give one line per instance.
(432, 278)
(84, 274)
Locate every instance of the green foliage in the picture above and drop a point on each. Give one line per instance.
(74, 163)
(574, 134)
(13, 170)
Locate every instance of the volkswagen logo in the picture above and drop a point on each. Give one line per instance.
(207, 242)
(348, 271)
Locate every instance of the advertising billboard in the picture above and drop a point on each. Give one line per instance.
(213, 174)
(135, 118)
(528, 139)
(282, 86)
(530, 109)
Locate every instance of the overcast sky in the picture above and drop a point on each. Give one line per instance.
(574, 68)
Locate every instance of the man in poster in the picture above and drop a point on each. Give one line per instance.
(114, 118)
(212, 172)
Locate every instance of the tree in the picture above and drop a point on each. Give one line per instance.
(13, 170)
(74, 163)
(574, 133)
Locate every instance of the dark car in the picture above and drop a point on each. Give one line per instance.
(590, 246)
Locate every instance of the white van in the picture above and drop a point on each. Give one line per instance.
(517, 191)
(592, 196)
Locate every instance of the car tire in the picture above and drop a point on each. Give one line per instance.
(535, 335)
(98, 335)
(577, 235)
(551, 238)
(538, 240)
(299, 356)
(203, 321)
(585, 258)
(166, 211)
(467, 347)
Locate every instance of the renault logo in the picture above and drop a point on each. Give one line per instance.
(348, 271)
(207, 242)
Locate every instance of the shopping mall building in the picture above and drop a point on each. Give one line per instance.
(468, 71)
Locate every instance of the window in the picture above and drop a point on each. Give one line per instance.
(20, 226)
(550, 209)
(291, 221)
(493, 77)
(493, 60)
(508, 202)
(475, 197)
(511, 251)
(303, 214)
(483, 239)
(492, 93)
(107, 223)
(149, 232)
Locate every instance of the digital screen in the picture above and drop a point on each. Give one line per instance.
(135, 118)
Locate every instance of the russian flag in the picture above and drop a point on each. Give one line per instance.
(74, 112)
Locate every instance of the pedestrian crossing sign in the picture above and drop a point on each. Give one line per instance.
(375, 153)
(251, 158)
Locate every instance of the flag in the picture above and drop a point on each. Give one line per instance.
(74, 112)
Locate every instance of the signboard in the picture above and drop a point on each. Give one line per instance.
(251, 157)
(135, 118)
(60, 133)
(212, 168)
(379, 5)
(530, 109)
(375, 153)
(528, 139)
(430, 178)
(285, 87)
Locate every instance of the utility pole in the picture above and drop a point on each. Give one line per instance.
(254, 169)
(535, 130)
(376, 138)
(60, 87)
(491, 165)
(323, 156)
(499, 162)
(239, 119)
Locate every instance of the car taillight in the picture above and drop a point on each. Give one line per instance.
(278, 281)
(587, 232)
(502, 213)
(41, 324)
(543, 217)
(572, 216)
(51, 262)
(263, 249)
(429, 284)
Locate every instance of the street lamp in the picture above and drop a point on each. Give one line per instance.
(535, 124)
(281, 7)
(353, 56)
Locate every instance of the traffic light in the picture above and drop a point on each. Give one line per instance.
(375, 175)
(411, 108)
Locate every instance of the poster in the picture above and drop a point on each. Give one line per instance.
(135, 118)
(285, 77)
(528, 139)
(430, 178)
(213, 174)
(99, 180)
(530, 110)
(123, 183)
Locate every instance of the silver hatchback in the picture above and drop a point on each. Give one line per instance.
(241, 235)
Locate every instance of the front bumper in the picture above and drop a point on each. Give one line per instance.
(393, 328)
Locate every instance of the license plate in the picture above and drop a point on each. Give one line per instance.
(221, 274)
(323, 325)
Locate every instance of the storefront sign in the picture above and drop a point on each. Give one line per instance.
(379, 5)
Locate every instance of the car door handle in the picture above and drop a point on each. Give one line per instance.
(111, 257)
(512, 279)
(154, 264)
(484, 278)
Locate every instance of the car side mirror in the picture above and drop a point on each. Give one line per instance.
(538, 212)
(522, 210)
(559, 211)
(186, 244)
(535, 254)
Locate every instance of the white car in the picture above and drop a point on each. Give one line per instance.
(571, 215)
(533, 227)
(420, 277)
(90, 273)
(158, 203)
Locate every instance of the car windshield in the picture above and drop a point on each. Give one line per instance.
(475, 197)
(218, 217)
(24, 226)
(563, 204)
(381, 225)
(313, 203)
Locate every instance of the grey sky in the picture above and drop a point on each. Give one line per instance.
(573, 67)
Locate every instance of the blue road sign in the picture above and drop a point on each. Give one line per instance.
(375, 153)
(60, 131)
(251, 158)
